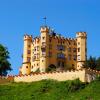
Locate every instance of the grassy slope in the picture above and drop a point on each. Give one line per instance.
(51, 90)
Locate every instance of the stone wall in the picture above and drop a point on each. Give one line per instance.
(60, 76)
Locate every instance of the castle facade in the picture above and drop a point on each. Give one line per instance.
(52, 51)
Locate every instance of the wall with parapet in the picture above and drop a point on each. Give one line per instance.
(60, 76)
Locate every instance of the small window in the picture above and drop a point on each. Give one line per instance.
(78, 49)
(74, 57)
(29, 52)
(74, 49)
(72, 65)
(43, 43)
(43, 38)
(37, 55)
(78, 57)
(37, 48)
(69, 49)
(69, 43)
(69, 57)
(43, 50)
(29, 46)
(74, 43)
(78, 43)
(63, 64)
(26, 66)
(34, 48)
(37, 64)
(50, 46)
(32, 66)
(28, 59)
(42, 60)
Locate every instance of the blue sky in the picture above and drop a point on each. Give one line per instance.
(65, 16)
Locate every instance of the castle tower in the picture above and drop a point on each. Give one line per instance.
(44, 30)
(26, 67)
(81, 48)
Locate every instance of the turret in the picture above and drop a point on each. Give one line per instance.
(44, 30)
(81, 48)
(26, 67)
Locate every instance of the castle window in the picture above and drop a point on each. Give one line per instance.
(63, 64)
(43, 53)
(29, 46)
(69, 43)
(26, 66)
(37, 48)
(78, 57)
(43, 49)
(78, 43)
(60, 47)
(28, 59)
(43, 38)
(37, 55)
(74, 57)
(74, 49)
(43, 43)
(37, 64)
(29, 52)
(72, 65)
(42, 60)
(74, 43)
(60, 55)
(50, 46)
(32, 66)
(34, 48)
(78, 49)
(69, 57)
(69, 49)
(38, 41)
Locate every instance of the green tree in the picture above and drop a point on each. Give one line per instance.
(91, 63)
(5, 65)
(98, 64)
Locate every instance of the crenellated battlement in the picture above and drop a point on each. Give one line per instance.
(60, 76)
(27, 37)
(44, 29)
(81, 34)
(85, 75)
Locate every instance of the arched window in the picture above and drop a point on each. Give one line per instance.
(26, 66)
(32, 66)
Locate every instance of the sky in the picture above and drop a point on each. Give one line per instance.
(66, 17)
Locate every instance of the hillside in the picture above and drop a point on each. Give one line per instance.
(51, 90)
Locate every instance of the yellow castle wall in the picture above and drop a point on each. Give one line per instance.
(60, 76)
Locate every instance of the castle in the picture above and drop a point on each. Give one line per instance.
(51, 50)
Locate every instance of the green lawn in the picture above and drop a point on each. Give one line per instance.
(51, 90)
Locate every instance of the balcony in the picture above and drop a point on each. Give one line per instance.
(61, 56)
